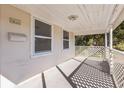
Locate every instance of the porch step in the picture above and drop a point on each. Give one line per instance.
(53, 78)
(69, 66)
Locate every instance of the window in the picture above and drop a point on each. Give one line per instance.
(65, 40)
(42, 37)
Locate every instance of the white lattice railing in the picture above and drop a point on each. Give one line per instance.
(80, 49)
(118, 68)
(96, 51)
(115, 59)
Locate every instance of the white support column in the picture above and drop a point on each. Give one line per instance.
(111, 38)
(106, 40)
(111, 55)
(106, 52)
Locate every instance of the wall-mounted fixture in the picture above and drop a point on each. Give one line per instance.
(16, 37)
(73, 17)
(14, 21)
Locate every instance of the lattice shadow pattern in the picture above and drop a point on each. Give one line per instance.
(88, 76)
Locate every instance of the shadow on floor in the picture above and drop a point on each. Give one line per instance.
(93, 74)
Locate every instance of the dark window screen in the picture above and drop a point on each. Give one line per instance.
(65, 35)
(65, 39)
(42, 45)
(108, 39)
(42, 29)
(66, 44)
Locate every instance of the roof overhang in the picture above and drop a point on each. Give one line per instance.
(92, 18)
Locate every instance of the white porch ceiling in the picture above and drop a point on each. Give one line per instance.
(93, 18)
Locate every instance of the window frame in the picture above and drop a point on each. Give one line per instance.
(33, 36)
(65, 39)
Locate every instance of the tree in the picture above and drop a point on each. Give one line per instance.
(88, 40)
(118, 37)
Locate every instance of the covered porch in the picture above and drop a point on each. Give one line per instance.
(89, 69)
(73, 66)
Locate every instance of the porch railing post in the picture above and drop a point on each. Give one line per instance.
(105, 46)
(111, 55)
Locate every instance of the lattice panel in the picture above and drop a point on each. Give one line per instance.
(118, 73)
(89, 51)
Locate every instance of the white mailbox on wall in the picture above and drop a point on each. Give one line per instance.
(17, 37)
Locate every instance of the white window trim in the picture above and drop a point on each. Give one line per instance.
(65, 39)
(45, 37)
(32, 43)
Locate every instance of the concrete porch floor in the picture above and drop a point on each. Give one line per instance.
(75, 73)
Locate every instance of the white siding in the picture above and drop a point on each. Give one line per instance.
(17, 63)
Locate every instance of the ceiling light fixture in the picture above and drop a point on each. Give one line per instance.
(72, 17)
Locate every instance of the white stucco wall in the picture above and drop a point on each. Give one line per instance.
(17, 64)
